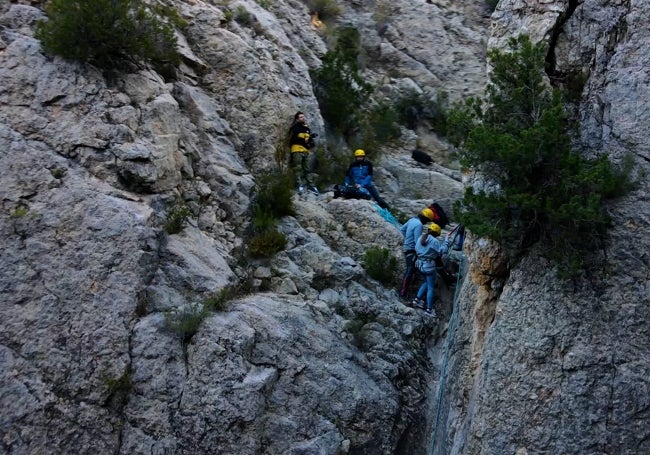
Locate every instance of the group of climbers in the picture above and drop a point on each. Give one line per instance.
(422, 248)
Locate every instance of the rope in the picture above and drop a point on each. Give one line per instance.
(385, 214)
(443, 373)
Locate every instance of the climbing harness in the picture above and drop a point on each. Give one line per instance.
(450, 337)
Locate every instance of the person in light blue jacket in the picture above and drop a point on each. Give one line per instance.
(411, 231)
(428, 249)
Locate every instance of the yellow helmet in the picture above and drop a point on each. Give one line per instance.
(428, 213)
(359, 152)
(433, 227)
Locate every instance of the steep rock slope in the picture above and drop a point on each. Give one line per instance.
(326, 361)
(549, 366)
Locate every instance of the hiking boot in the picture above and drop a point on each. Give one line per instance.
(418, 303)
(431, 312)
(300, 189)
(314, 190)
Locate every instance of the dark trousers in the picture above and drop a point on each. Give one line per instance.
(409, 273)
(375, 195)
(299, 163)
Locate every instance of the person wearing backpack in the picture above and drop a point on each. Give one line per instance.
(411, 230)
(359, 175)
(301, 140)
(428, 249)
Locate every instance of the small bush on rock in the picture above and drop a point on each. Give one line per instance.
(273, 195)
(186, 322)
(414, 108)
(273, 200)
(243, 16)
(267, 243)
(123, 384)
(176, 218)
(106, 33)
(332, 166)
(377, 125)
(381, 265)
(218, 301)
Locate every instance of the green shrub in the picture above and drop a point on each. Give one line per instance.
(383, 122)
(401, 216)
(357, 327)
(273, 195)
(218, 301)
(267, 243)
(171, 15)
(121, 385)
(377, 126)
(228, 15)
(273, 200)
(332, 166)
(263, 220)
(543, 190)
(266, 4)
(414, 108)
(243, 16)
(58, 172)
(19, 212)
(107, 33)
(176, 218)
(381, 265)
(118, 389)
(384, 11)
(186, 322)
(338, 86)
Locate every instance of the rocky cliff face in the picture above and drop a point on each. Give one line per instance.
(553, 366)
(317, 358)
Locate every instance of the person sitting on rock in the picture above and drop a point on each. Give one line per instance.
(428, 249)
(359, 175)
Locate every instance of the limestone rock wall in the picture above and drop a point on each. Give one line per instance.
(317, 358)
(549, 366)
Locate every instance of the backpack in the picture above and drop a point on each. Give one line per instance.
(439, 215)
(350, 192)
(421, 157)
(459, 239)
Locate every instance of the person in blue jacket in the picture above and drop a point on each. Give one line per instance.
(359, 175)
(411, 231)
(428, 249)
